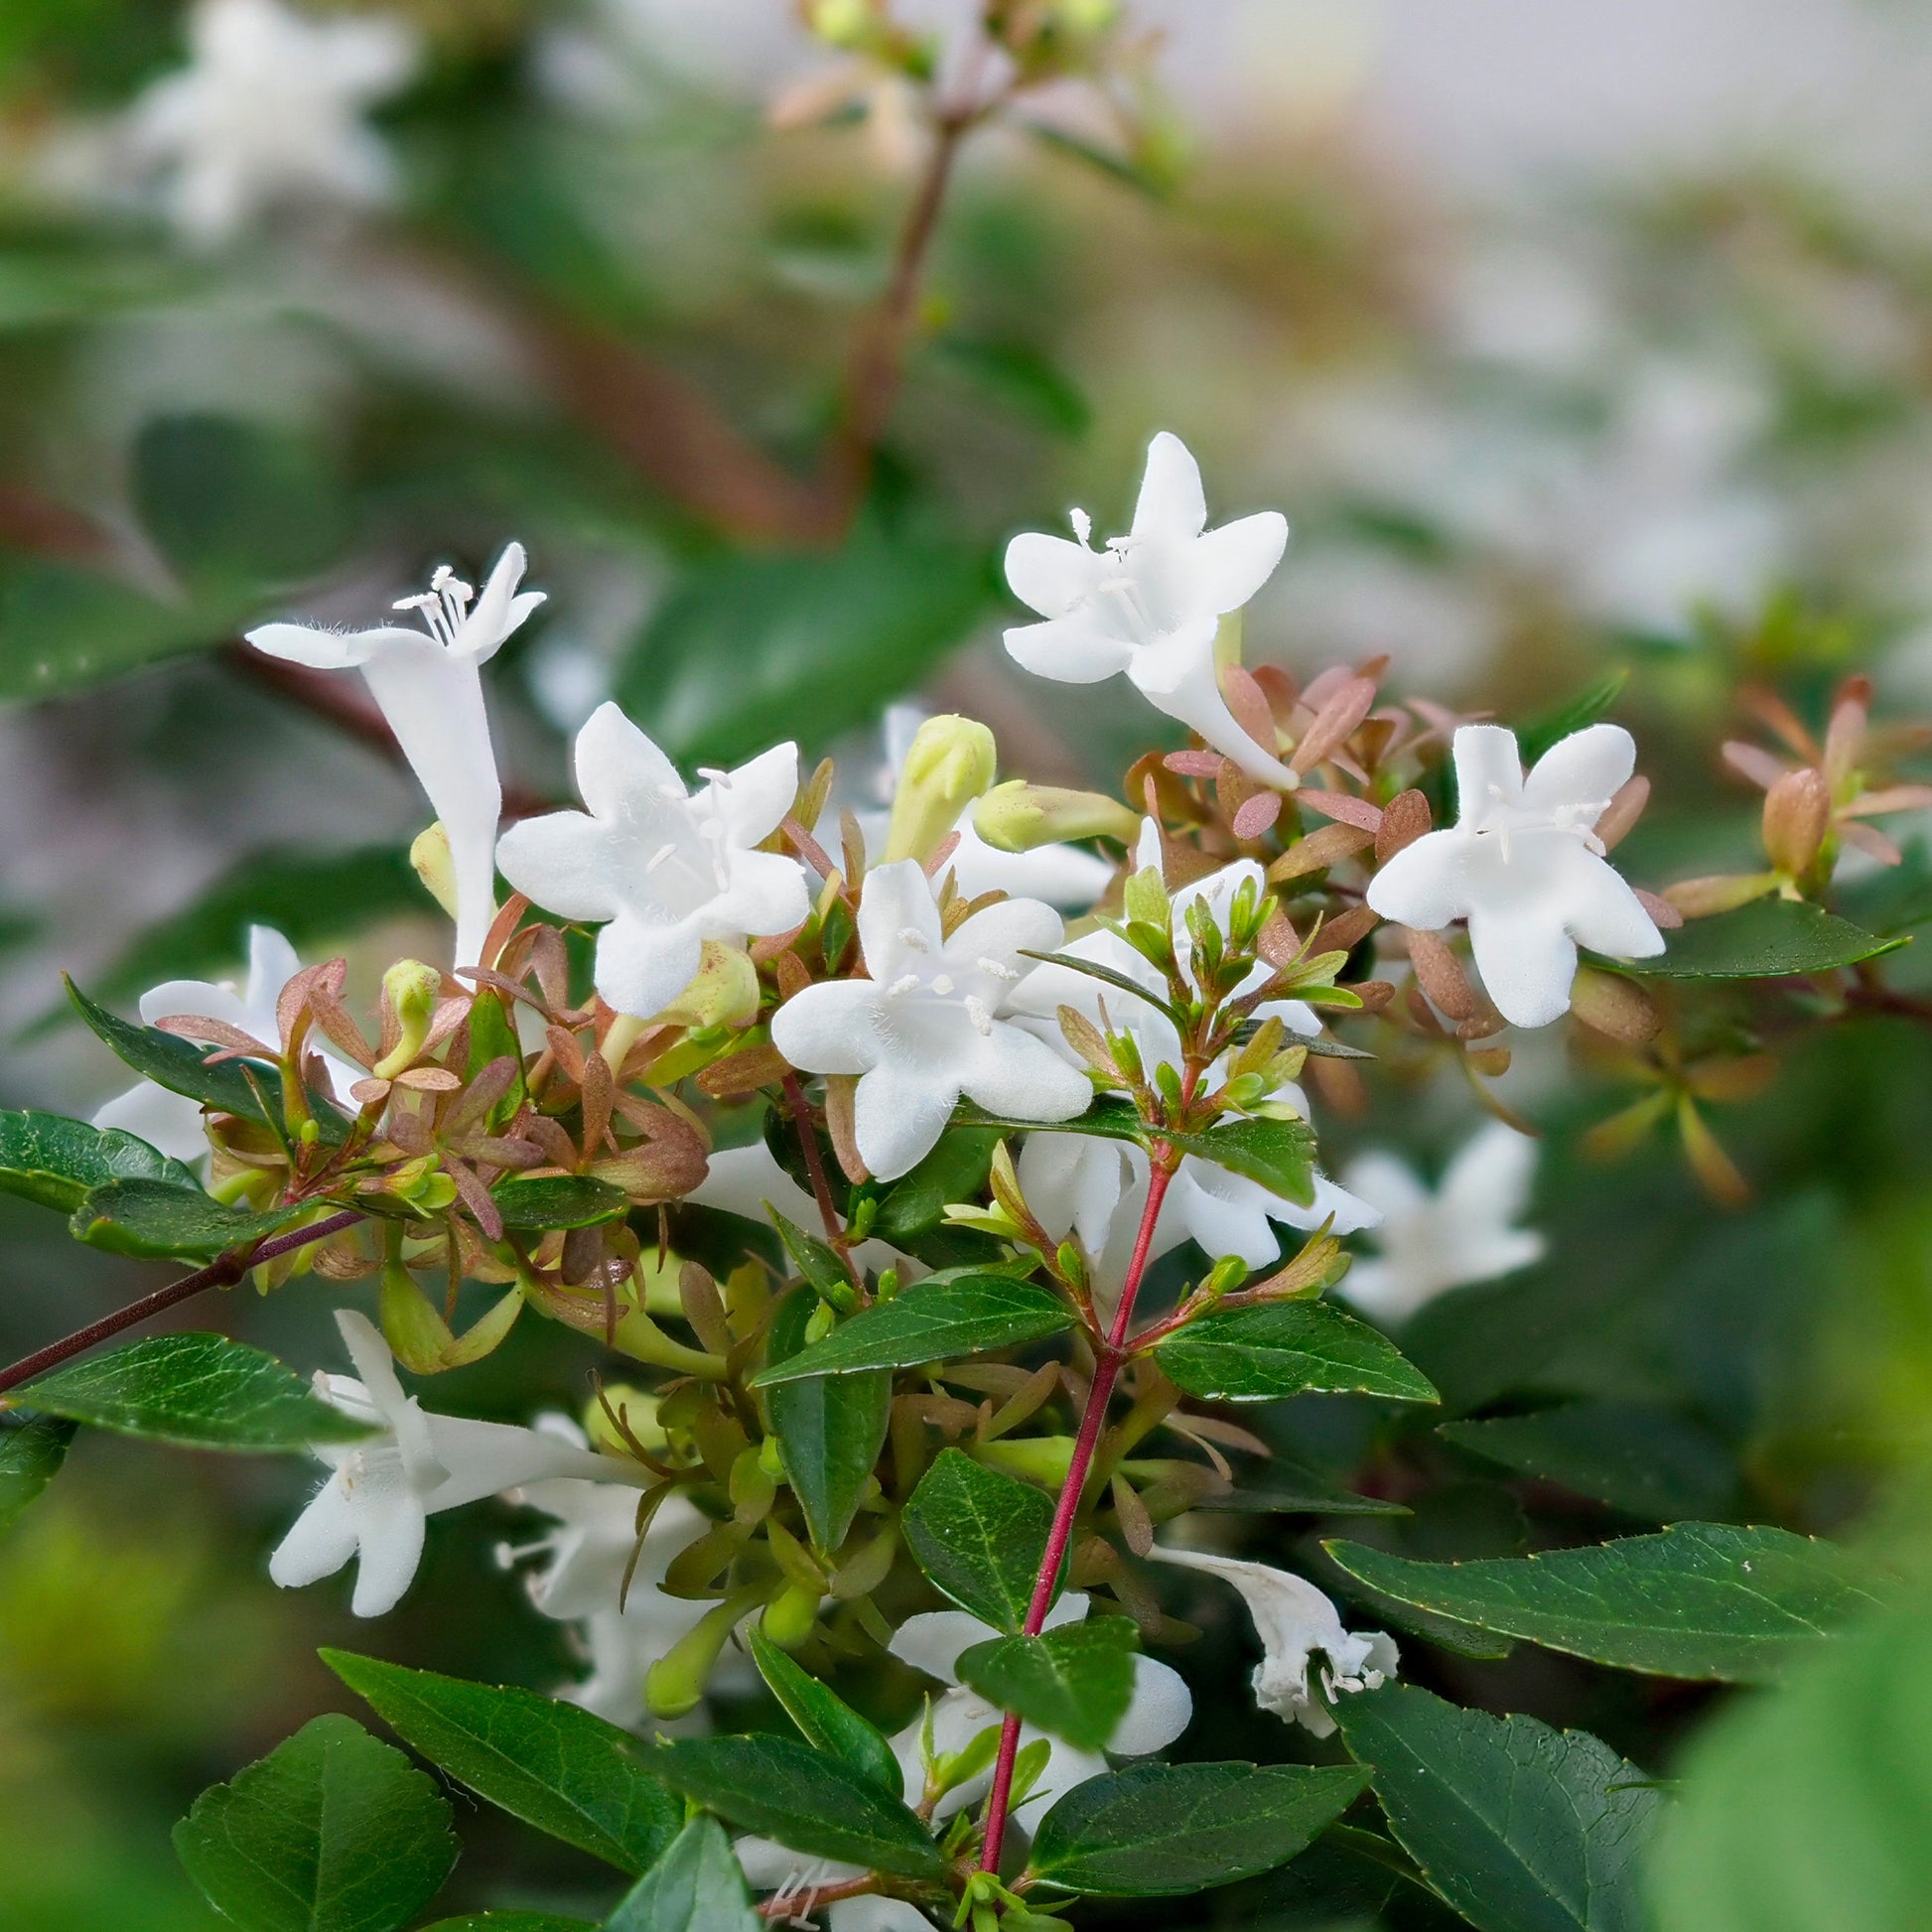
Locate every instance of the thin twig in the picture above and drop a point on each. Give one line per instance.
(828, 1213)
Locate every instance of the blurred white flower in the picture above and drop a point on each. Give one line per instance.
(1463, 1232)
(382, 1490)
(1150, 604)
(270, 111)
(663, 868)
(744, 1179)
(930, 1024)
(172, 1122)
(1294, 1621)
(1523, 865)
(429, 685)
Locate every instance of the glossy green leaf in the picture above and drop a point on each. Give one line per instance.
(753, 648)
(1166, 1829)
(830, 1428)
(937, 1320)
(1279, 1153)
(955, 1170)
(1521, 1828)
(1644, 1461)
(830, 1724)
(1283, 1348)
(1697, 1600)
(804, 1799)
(549, 1763)
(815, 1260)
(162, 1219)
(54, 1162)
(1287, 1487)
(196, 1391)
(30, 1454)
(1108, 1119)
(695, 1887)
(1770, 938)
(980, 1536)
(331, 1832)
(557, 1201)
(1809, 1808)
(1074, 1682)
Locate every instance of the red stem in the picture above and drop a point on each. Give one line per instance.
(801, 1115)
(223, 1273)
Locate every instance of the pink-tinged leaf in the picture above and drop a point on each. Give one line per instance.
(1357, 812)
(1890, 798)
(1664, 916)
(1255, 817)
(1754, 763)
(1195, 764)
(1869, 840)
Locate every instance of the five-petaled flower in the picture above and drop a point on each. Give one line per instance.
(664, 868)
(382, 1490)
(930, 1025)
(1462, 1233)
(1150, 603)
(1523, 865)
(429, 685)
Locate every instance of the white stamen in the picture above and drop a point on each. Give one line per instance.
(995, 969)
(905, 983)
(658, 857)
(976, 1011)
(1082, 526)
(942, 984)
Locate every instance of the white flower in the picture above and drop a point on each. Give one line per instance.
(270, 111)
(1523, 865)
(744, 1179)
(383, 1489)
(1430, 1243)
(1150, 602)
(929, 1024)
(172, 1122)
(665, 869)
(429, 686)
(1293, 1622)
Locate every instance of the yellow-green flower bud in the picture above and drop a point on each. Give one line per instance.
(1017, 816)
(410, 990)
(674, 1684)
(789, 1616)
(842, 23)
(725, 991)
(952, 760)
(430, 855)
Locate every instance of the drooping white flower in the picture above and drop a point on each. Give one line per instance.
(429, 686)
(744, 1179)
(170, 1121)
(1150, 602)
(269, 111)
(929, 1026)
(382, 1489)
(1295, 1623)
(1523, 865)
(1429, 1242)
(664, 868)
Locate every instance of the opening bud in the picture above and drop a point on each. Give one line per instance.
(951, 762)
(1017, 816)
(1797, 815)
(410, 991)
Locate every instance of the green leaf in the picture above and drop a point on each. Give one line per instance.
(830, 1724)
(1809, 1808)
(830, 1429)
(940, 1318)
(955, 1170)
(1281, 1348)
(1164, 1830)
(161, 1219)
(1521, 1828)
(695, 1887)
(1108, 1119)
(549, 1763)
(1585, 708)
(1770, 938)
(512, 1922)
(1296, 1489)
(1644, 1461)
(817, 1262)
(30, 1454)
(1279, 1153)
(804, 1799)
(1074, 1682)
(980, 1536)
(331, 1832)
(53, 1162)
(557, 1201)
(753, 648)
(196, 1391)
(1697, 1600)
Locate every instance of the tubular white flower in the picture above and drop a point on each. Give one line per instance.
(930, 1025)
(429, 686)
(1523, 865)
(1150, 602)
(382, 1490)
(1294, 1621)
(268, 111)
(662, 868)
(1463, 1232)
(172, 1122)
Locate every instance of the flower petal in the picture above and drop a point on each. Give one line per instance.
(899, 1113)
(642, 966)
(1589, 767)
(1003, 931)
(1010, 1072)
(498, 610)
(1526, 959)
(1172, 502)
(1424, 884)
(767, 894)
(1052, 575)
(389, 1529)
(1063, 875)
(898, 919)
(831, 1028)
(1070, 651)
(169, 1122)
(1161, 1710)
(758, 793)
(1229, 565)
(564, 863)
(615, 761)
(1488, 768)
(321, 649)
(933, 1641)
(1179, 677)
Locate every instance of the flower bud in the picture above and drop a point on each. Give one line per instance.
(1017, 816)
(1610, 1004)
(850, 24)
(430, 855)
(410, 990)
(1797, 815)
(725, 991)
(789, 1616)
(951, 762)
(675, 1683)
